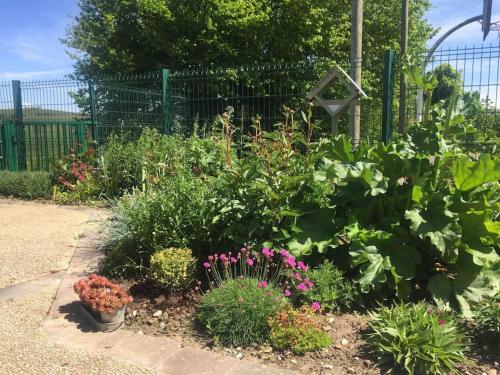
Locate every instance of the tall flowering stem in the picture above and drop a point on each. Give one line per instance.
(271, 267)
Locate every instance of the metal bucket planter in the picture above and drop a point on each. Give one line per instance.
(102, 321)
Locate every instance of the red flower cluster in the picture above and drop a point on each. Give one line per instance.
(100, 294)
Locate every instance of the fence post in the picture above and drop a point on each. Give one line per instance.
(80, 136)
(18, 120)
(93, 112)
(387, 95)
(165, 76)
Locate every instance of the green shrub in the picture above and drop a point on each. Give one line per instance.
(144, 223)
(173, 268)
(119, 166)
(298, 331)
(416, 339)
(487, 318)
(331, 289)
(125, 165)
(237, 312)
(30, 185)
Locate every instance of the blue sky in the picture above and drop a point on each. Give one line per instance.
(30, 32)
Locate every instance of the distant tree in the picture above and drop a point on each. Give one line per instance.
(448, 78)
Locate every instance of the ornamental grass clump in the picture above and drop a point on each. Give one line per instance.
(297, 330)
(416, 339)
(173, 268)
(246, 290)
(236, 312)
(100, 294)
(487, 319)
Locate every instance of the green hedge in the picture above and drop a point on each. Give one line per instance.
(30, 185)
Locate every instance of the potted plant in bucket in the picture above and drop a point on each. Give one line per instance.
(102, 301)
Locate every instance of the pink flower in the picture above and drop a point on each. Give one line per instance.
(302, 266)
(223, 257)
(267, 253)
(210, 258)
(308, 283)
(243, 250)
(302, 288)
(290, 262)
(262, 284)
(233, 260)
(298, 277)
(316, 306)
(287, 293)
(249, 262)
(284, 253)
(441, 322)
(206, 265)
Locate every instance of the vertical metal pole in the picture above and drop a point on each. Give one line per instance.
(387, 95)
(356, 64)
(402, 79)
(93, 112)
(167, 126)
(18, 120)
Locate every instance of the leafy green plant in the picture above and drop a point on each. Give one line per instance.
(331, 289)
(74, 178)
(297, 330)
(487, 318)
(237, 311)
(26, 184)
(144, 223)
(416, 339)
(173, 268)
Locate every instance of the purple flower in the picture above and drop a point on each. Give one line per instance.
(316, 306)
(206, 265)
(302, 288)
(287, 293)
(262, 284)
(249, 262)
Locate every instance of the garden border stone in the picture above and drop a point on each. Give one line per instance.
(67, 325)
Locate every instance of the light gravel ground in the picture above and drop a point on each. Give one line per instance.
(37, 238)
(26, 350)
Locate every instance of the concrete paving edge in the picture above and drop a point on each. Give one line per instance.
(66, 325)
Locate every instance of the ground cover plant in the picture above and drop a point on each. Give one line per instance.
(297, 330)
(26, 184)
(416, 339)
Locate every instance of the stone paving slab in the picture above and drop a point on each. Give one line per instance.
(66, 325)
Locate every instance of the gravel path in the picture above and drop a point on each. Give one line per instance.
(25, 349)
(37, 238)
